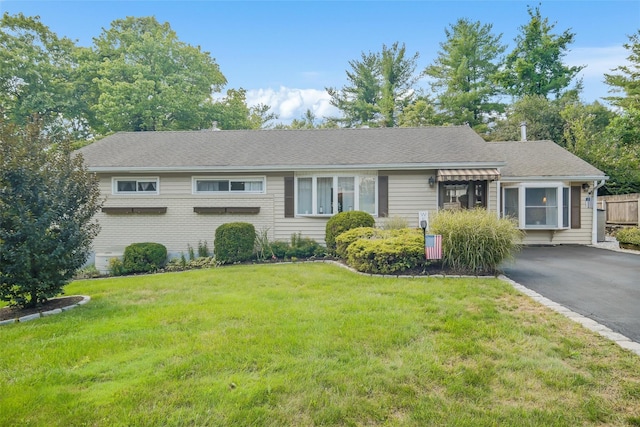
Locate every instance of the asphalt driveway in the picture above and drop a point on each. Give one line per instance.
(600, 284)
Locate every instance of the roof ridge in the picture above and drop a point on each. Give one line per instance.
(292, 130)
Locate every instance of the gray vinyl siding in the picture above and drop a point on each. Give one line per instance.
(492, 196)
(409, 193)
(180, 226)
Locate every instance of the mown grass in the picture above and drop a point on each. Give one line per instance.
(310, 344)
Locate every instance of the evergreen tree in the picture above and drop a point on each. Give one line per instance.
(535, 66)
(464, 72)
(381, 84)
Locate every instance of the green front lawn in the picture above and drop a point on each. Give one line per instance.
(310, 344)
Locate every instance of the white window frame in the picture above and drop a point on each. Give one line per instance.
(137, 179)
(196, 179)
(335, 176)
(561, 189)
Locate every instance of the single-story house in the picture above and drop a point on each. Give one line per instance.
(177, 187)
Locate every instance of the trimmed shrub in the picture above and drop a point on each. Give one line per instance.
(279, 249)
(144, 257)
(628, 236)
(344, 221)
(234, 242)
(304, 247)
(299, 247)
(475, 240)
(348, 237)
(389, 252)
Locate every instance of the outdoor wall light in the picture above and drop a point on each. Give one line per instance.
(431, 182)
(585, 187)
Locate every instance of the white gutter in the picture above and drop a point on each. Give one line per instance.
(594, 231)
(552, 178)
(288, 168)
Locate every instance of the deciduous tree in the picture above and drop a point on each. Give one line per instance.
(420, 112)
(38, 76)
(147, 79)
(541, 115)
(232, 112)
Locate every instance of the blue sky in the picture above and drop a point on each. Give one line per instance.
(284, 53)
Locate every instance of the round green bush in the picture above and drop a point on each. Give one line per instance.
(475, 240)
(628, 236)
(144, 257)
(344, 221)
(234, 242)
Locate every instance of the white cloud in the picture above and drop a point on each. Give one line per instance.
(290, 103)
(598, 60)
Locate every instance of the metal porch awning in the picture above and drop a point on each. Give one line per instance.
(490, 174)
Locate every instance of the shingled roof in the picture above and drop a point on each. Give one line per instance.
(272, 150)
(542, 159)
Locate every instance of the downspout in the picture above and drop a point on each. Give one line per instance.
(498, 199)
(594, 225)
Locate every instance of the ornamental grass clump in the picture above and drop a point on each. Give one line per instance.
(475, 241)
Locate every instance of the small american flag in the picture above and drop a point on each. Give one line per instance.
(433, 246)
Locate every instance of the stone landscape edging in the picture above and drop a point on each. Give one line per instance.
(85, 299)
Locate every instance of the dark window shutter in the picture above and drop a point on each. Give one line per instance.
(383, 196)
(576, 203)
(289, 205)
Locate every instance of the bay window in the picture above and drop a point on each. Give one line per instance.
(331, 194)
(537, 206)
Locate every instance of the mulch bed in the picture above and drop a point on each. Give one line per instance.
(7, 313)
(630, 246)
